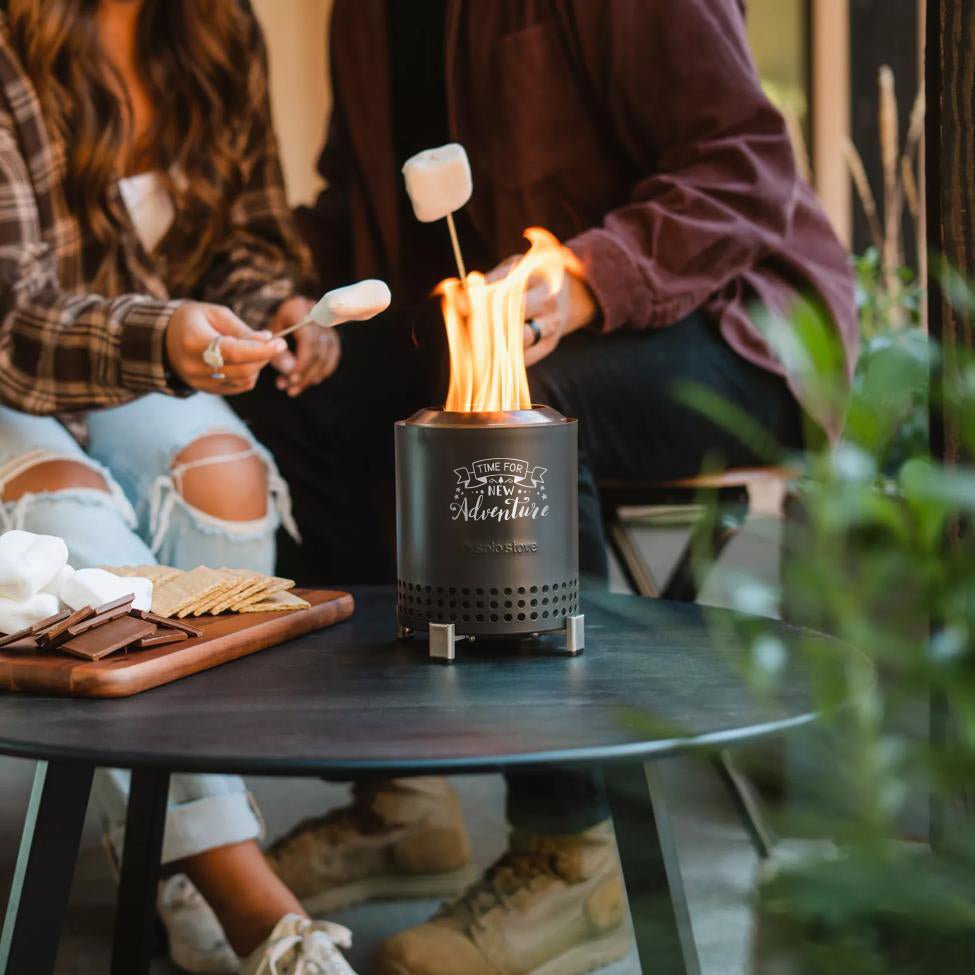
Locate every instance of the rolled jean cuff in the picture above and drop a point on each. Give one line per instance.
(203, 824)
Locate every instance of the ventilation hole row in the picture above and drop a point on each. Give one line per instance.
(410, 600)
(452, 591)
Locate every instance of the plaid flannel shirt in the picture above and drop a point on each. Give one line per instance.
(65, 348)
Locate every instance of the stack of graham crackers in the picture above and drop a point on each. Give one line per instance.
(178, 594)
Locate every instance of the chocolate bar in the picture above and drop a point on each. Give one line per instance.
(161, 638)
(103, 614)
(106, 639)
(35, 629)
(58, 634)
(173, 624)
(125, 600)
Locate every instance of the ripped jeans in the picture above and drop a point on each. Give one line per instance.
(142, 519)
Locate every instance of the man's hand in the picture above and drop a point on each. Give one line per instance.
(245, 352)
(317, 350)
(556, 314)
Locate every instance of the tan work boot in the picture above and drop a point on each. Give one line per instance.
(549, 906)
(400, 838)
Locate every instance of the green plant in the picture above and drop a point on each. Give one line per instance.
(882, 558)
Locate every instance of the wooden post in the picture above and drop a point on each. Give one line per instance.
(830, 77)
(950, 193)
(950, 183)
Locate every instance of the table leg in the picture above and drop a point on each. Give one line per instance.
(135, 916)
(45, 865)
(658, 906)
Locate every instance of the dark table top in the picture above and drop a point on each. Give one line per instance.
(352, 699)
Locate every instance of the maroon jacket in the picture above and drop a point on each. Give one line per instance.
(635, 130)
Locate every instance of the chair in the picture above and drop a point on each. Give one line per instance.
(682, 503)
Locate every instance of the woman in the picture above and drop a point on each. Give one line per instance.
(146, 258)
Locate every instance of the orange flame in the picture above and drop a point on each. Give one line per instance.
(485, 328)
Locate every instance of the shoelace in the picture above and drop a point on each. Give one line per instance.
(513, 872)
(311, 948)
(335, 825)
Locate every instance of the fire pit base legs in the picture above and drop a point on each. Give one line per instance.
(443, 641)
(443, 638)
(575, 634)
(403, 632)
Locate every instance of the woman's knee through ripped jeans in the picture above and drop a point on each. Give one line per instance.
(176, 481)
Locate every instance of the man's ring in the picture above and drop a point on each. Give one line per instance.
(213, 357)
(536, 331)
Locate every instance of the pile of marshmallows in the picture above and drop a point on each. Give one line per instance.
(36, 580)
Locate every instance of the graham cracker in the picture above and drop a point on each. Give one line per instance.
(276, 603)
(236, 586)
(250, 586)
(158, 574)
(173, 596)
(199, 605)
(273, 585)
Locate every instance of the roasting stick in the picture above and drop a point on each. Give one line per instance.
(439, 183)
(353, 303)
(455, 243)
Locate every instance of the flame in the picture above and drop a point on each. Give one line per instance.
(485, 327)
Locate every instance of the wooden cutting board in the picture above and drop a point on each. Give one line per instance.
(225, 638)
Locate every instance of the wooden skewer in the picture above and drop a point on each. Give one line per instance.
(297, 325)
(458, 257)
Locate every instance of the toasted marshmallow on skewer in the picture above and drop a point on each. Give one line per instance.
(438, 181)
(353, 303)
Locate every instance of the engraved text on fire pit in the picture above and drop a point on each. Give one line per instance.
(499, 489)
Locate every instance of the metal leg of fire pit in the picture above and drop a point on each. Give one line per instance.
(403, 632)
(575, 634)
(443, 641)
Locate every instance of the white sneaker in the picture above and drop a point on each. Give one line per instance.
(196, 940)
(298, 946)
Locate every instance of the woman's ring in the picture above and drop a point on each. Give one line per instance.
(536, 331)
(213, 357)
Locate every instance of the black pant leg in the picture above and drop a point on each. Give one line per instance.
(624, 389)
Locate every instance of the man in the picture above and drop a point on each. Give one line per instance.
(637, 132)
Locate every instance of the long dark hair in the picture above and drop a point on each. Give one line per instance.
(193, 58)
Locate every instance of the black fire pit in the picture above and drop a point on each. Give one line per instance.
(487, 526)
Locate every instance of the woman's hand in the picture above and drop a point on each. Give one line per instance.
(556, 314)
(193, 326)
(317, 350)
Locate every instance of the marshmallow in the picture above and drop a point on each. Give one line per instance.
(28, 563)
(16, 614)
(56, 584)
(438, 181)
(92, 587)
(353, 303)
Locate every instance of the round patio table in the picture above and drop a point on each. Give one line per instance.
(352, 701)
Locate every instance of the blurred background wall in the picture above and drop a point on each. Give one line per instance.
(300, 94)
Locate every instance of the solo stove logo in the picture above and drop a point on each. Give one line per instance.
(499, 489)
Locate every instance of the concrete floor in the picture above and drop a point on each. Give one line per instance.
(716, 859)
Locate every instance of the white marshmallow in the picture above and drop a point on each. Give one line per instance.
(18, 614)
(55, 585)
(353, 303)
(92, 587)
(438, 181)
(28, 563)
(16, 542)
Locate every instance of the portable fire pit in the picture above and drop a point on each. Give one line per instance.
(487, 526)
(486, 489)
